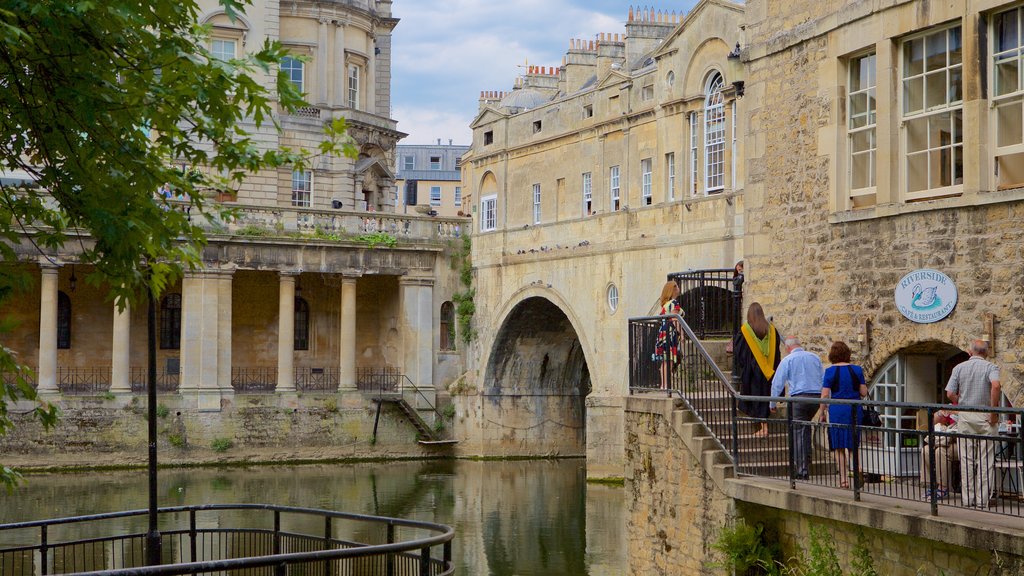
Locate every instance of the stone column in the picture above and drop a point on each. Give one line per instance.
(321, 62)
(340, 72)
(369, 88)
(120, 370)
(46, 372)
(200, 338)
(347, 356)
(417, 329)
(286, 334)
(224, 320)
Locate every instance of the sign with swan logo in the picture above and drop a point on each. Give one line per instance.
(925, 296)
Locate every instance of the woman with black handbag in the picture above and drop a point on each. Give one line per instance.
(844, 381)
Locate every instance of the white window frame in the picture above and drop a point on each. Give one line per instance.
(646, 182)
(694, 129)
(294, 69)
(489, 213)
(217, 51)
(435, 195)
(613, 298)
(931, 116)
(536, 203)
(353, 86)
(614, 188)
(458, 195)
(1009, 101)
(435, 165)
(714, 134)
(862, 123)
(670, 175)
(588, 194)
(409, 162)
(302, 188)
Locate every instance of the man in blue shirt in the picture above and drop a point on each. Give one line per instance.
(802, 371)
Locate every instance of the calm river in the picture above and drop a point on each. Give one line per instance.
(510, 518)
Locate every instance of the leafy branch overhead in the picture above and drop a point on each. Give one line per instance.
(103, 103)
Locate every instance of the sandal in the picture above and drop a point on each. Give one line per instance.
(844, 484)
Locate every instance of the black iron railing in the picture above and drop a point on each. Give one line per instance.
(254, 380)
(166, 382)
(83, 381)
(710, 300)
(902, 463)
(316, 379)
(386, 379)
(250, 539)
(10, 378)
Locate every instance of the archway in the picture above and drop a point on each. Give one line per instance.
(537, 375)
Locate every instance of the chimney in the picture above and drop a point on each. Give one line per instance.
(645, 29)
(580, 64)
(610, 50)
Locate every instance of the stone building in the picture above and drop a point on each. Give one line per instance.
(429, 179)
(885, 138)
(589, 182)
(293, 298)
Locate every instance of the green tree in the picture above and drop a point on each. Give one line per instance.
(101, 100)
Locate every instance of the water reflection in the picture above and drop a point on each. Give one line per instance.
(511, 518)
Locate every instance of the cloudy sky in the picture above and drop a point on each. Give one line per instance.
(445, 53)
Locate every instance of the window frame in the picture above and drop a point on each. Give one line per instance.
(670, 175)
(170, 321)
(353, 84)
(870, 125)
(64, 318)
(290, 65)
(714, 133)
(647, 181)
(458, 195)
(435, 162)
(489, 213)
(435, 199)
(408, 162)
(588, 193)
(536, 204)
(1009, 154)
(217, 54)
(301, 324)
(694, 174)
(615, 188)
(302, 197)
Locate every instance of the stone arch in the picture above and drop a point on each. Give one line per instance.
(709, 57)
(220, 18)
(888, 343)
(488, 184)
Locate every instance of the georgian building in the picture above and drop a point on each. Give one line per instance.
(295, 295)
(589, 183)
(429, 179)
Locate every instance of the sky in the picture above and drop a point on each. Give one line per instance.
(445, 53)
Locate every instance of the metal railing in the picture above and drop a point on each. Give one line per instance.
(380, 380)
(250, 539)
(166, 382)
(254, 380)
(952, 469)
(389, 382)
(83, 381)
(309, 379)
(710, 300)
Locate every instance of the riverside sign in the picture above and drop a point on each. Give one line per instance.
(925, 296)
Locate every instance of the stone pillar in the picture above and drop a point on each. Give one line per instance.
(347, 357)
(340, 72)
(286, 334)
(321, 62)
(46, 372)
(224, 320)
(120, 369)
(369, 87)
(200, 338)
(417, 329)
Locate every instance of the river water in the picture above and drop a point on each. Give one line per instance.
(514, 518)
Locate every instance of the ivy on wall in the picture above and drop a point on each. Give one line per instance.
(464, 305)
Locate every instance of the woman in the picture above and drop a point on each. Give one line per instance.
(757, 355)
(842, 381)
(946, 456)
(666, 348)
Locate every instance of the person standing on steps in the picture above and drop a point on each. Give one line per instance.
(976, 383)
(802, 371)
(756, 349)
(666, 347)
(843, 381)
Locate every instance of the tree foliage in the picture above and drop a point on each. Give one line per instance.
(102, 102)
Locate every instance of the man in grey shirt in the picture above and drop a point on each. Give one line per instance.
(976, 383)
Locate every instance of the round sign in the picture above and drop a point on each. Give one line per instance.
(925, 296)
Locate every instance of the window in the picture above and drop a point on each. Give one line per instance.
(170, 322)
(645, 182)
(447, 326)
(613, 298)
(301, 323)
(458, 195)
(292, 69)
(670, 79)
(647, 92)
(458, 162)
(536, 203)
(222, 49)
(408, 162)
(353, 86)
(435, 195)
(714, 135)
(302, 188)
(693, 153)
(932, 83)
(488, 137)
(614, 185)
(588, 111)
(1008, 97)
(435, 162)
(536, 126)
(488, 213)
(588, 196)
(860, 106)
(670, 175)
(63, 321)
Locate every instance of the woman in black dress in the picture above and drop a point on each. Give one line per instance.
(757, 355)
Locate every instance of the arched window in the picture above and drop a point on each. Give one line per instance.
(714, 135)
(301, 323)
(447, 326)
(170, 322)
(63, 321)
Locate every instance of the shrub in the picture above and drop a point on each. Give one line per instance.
(221, 444)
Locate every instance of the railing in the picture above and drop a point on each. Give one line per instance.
(710, 300)
(83, 381)
(258, 380)
(10, 378)
(906, 464)
(316, 379)
(246, 539)
(166, 382)
(390, 382)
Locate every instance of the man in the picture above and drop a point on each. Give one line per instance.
(802, 371)
(976, 383)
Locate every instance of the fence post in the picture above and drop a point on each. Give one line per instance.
(932, 479)
(854, 414)
(43, 550)
(425, 561)
(192, 544)
(390, 558)
(327, 544)
(789, 440)
(735, 432)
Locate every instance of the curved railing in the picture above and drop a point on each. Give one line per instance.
(251, 539)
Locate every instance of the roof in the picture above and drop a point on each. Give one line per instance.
(442, 175)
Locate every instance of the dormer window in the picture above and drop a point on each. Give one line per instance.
(536, 126)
